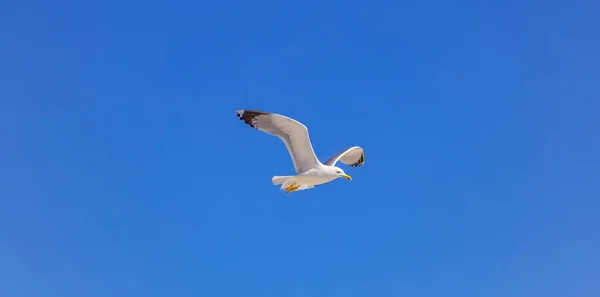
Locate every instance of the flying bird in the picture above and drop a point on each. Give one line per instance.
(309, 170)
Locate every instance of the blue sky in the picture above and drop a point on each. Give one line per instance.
(124, 171)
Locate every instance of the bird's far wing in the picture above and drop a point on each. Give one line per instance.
(354, 156)
(293, 133)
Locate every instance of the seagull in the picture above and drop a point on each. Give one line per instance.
(309, 170)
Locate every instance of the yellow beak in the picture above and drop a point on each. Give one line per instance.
(346, 176)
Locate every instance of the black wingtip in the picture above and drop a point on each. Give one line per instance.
(248, 115)
(360, 161)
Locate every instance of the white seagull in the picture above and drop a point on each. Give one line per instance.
(309, 170)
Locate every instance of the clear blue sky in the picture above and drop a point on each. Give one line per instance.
(125, 172)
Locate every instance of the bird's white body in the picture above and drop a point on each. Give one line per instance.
(309, 170)
(307, 179)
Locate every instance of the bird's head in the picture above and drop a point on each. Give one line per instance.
(341, 173)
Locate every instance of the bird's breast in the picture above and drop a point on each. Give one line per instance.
(315, 177)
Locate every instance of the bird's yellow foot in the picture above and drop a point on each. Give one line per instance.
(288, 188)
(292, 187)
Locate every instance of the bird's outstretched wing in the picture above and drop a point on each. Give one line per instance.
(354, 156)
(293, 134)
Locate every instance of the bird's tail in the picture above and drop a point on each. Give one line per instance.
(278, 180)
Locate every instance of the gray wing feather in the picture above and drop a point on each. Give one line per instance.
(354, 156)
(293, 134)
